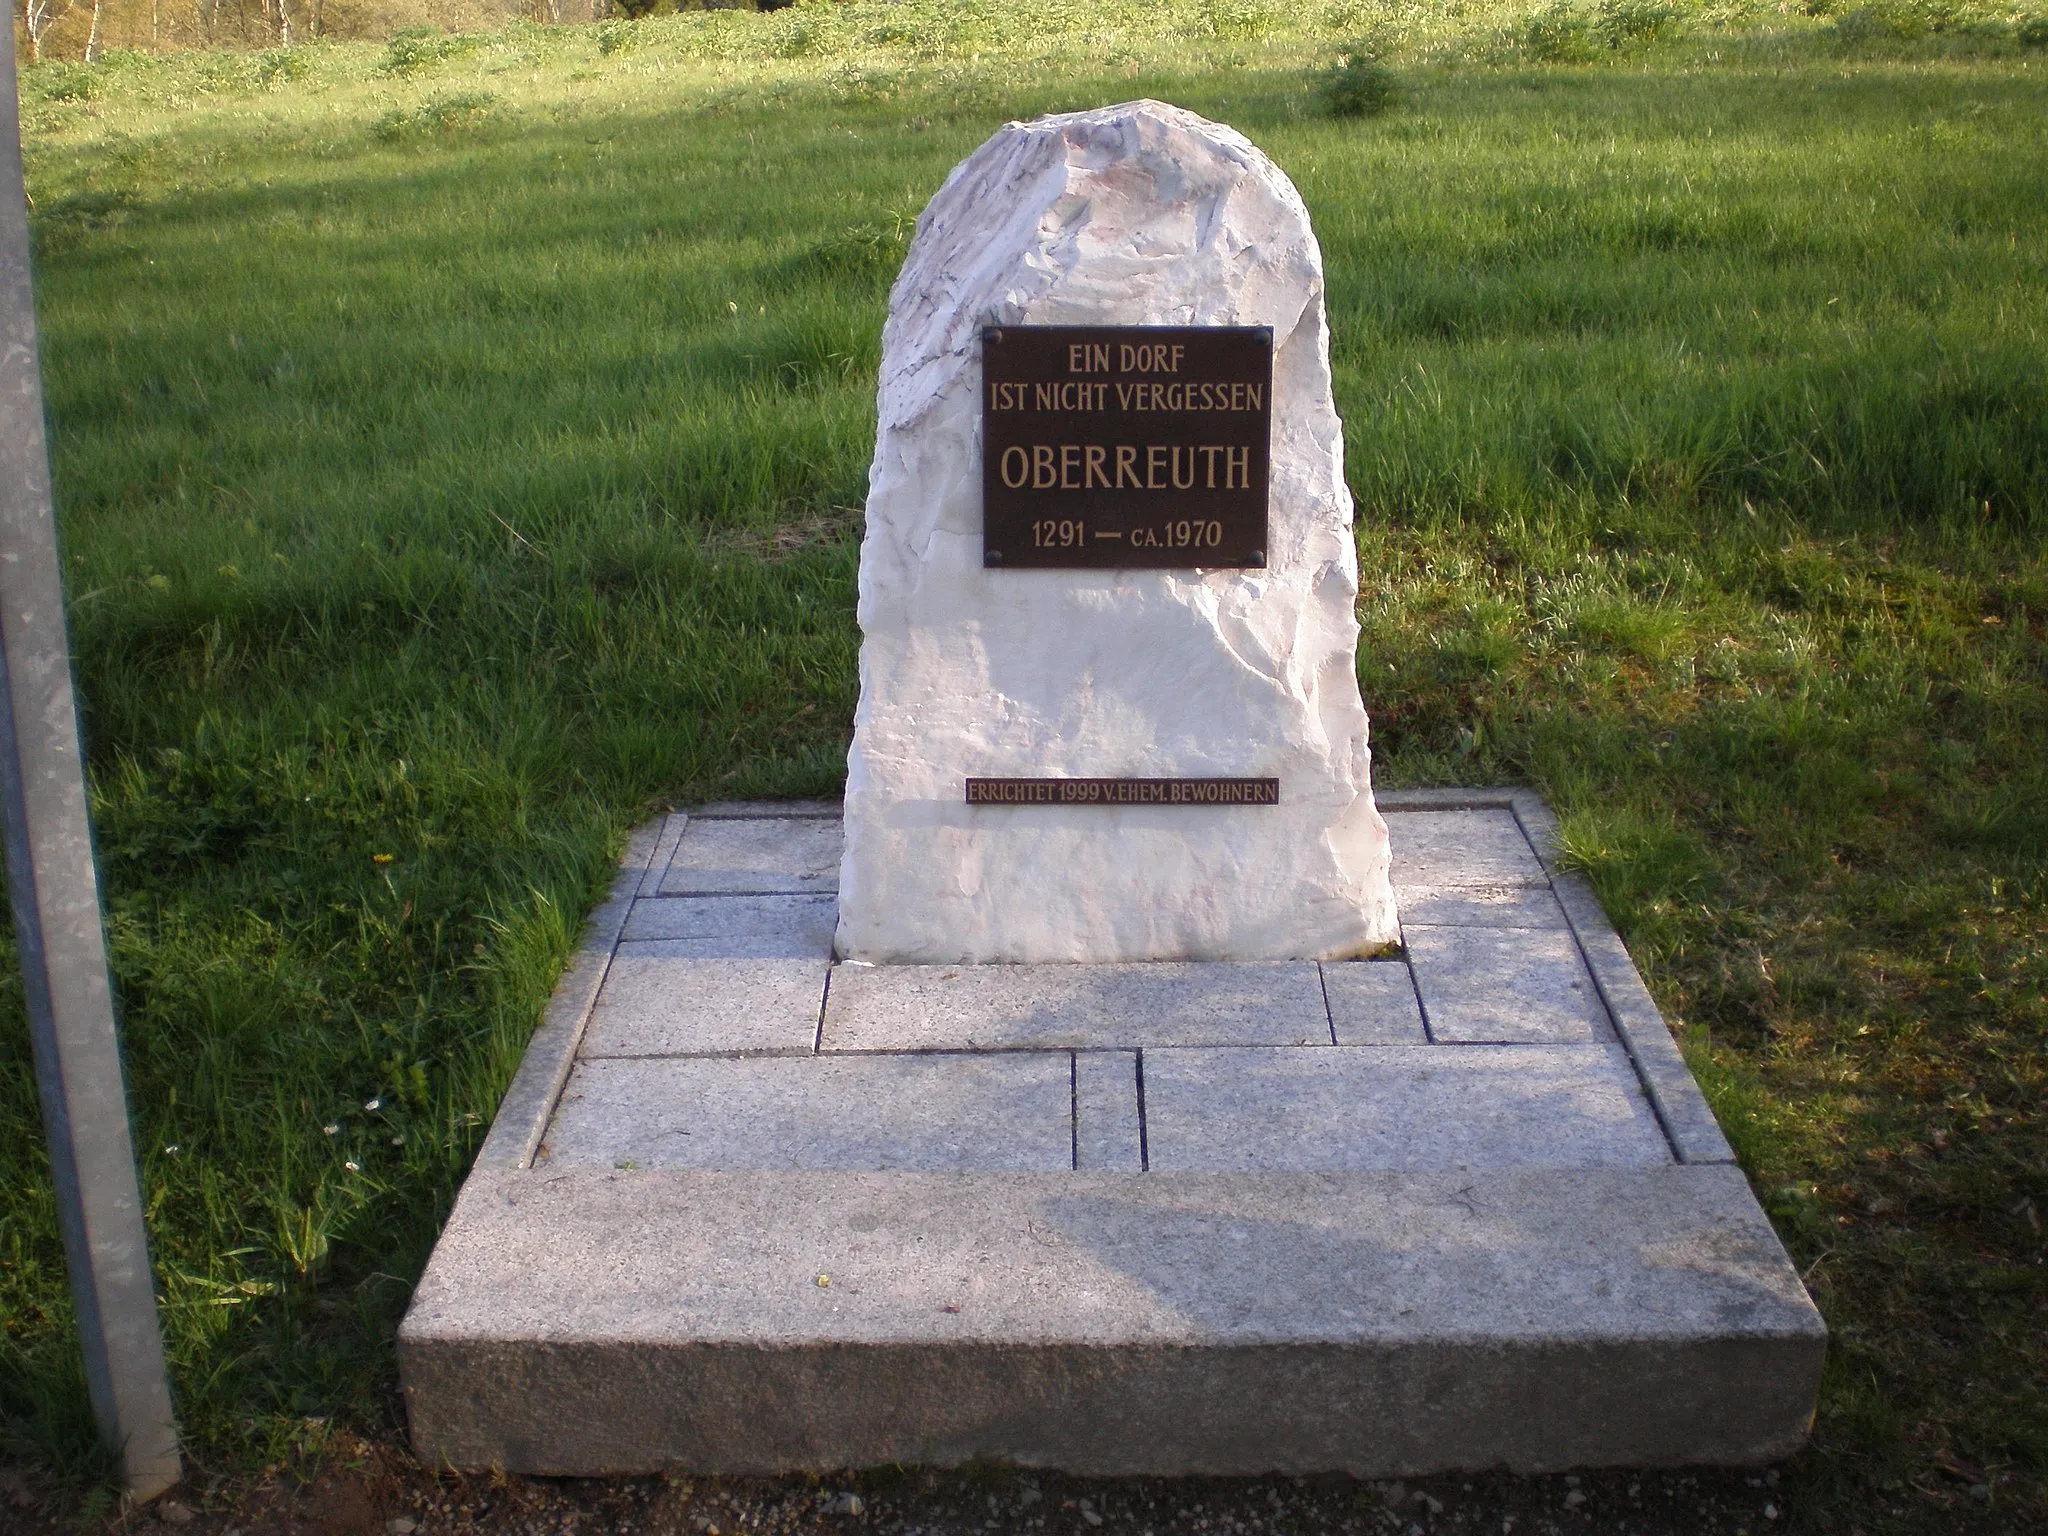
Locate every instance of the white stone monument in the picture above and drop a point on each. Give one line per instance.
(1129, 216)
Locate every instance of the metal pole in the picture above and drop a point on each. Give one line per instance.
(55, 892)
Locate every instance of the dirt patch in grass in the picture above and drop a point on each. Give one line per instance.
(363, 1488)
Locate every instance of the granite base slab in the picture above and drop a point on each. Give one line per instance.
(1109, 1323)
(747, 1210)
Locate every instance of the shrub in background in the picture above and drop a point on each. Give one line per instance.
(1245, 20)
(444, 114)
(1563, 33)
(1359, 85)
(60, 81)
(282, 65)
(421, 48)
(1905, 21)
(1622, 22)
(1560, 34)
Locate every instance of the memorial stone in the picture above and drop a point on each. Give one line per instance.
(1109, 704)
(1221, 1200)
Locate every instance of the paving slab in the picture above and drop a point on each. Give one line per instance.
(663, 998)
(1012, 1112)
(1373, 1002)
(1504, 985)
(600, 1322)
(672, 827)
(1085, 1007)
(1109, 1136)
(1464, 847)
(1401, 1108)
(787, 854)
(753, 810)
(1481, 906)
(737, 927)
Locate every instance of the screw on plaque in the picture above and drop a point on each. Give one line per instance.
(1256, 557)
(992, 557)
(993, 338)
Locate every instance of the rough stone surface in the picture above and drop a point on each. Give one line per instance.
(1011, 1112)
(1373, 1002)
(1380, 1324)
(663, 999)
(780, 854)
(1130, 215)
(1008, 1007)
(1509, 985)
(1406, 1109)
(1434, 849)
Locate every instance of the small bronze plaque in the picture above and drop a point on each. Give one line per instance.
(1123, 791)
(1125, 447)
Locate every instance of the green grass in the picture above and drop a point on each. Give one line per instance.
(459, 449)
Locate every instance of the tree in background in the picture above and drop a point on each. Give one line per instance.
(38, 16)
(87, 29)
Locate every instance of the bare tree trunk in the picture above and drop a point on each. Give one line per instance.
(284, 24)
(92, 38)
(36, 19)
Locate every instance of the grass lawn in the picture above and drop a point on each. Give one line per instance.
(460, 447)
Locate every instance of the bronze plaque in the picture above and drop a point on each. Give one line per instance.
(1123, 792)
(1126, 447)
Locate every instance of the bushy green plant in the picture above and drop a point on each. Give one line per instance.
(1622, 22)
(443, 114)
(2031, 32)
(1240, 19)
(862, 252)
(806, 35)
(1895, 21)
(1359, 85)
(420, 48)
(1879, 23)
(283, 65)
(60, 81)
(227, 73)
(1560, 34)
(615, 37)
